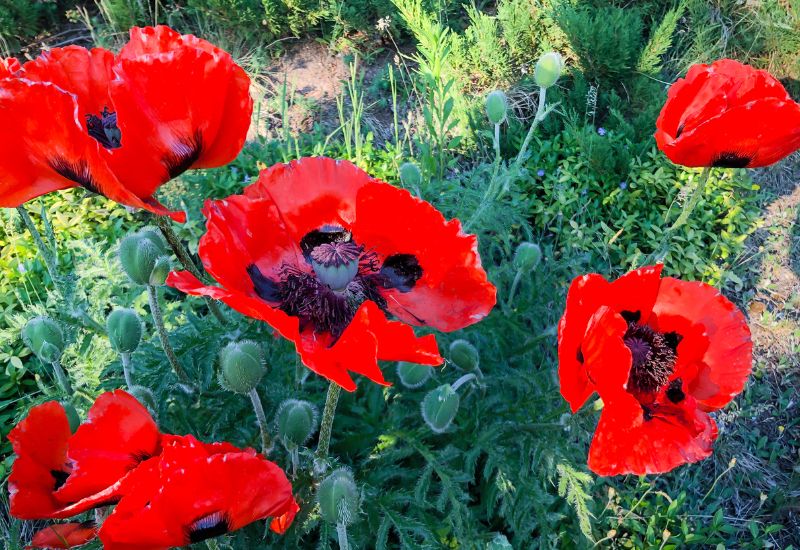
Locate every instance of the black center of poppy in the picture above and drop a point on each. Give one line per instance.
(207, 527)
(731, 160)
(104, 129)
(59, 477)
(653, 358)
(675, 391)
(343, 276)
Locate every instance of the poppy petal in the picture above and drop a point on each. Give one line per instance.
(453, 291)
(282, 523)
(607, 358)
(118, 435)
(9, 67)
(726, 363)
(40, 443)
(64, 535)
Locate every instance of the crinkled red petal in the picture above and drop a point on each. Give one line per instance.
(9, 66)
(64, 535)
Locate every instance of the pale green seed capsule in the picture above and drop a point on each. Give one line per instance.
(241, 366)
(124, 330)
(464, 356)
(439, 408)
(44, 337)
(338, 497)
(413, 375)
(410, 175)
(296, 422)
(496, 107)
(548, 69)
(527, 257)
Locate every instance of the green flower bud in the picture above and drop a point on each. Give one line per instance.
(160, 271)
(439, 408)
(527, 257)
(145, 397)
(499, 542)
(413, 375)
(338, 497)
(496, 107)
(548, 69)
(44, 337)
(464, 356)
(296, 422)
(124, 330)
(139, 253)
(72, 415)
(410, 174)
(241, 366)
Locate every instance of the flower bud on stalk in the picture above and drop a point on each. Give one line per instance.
(143, 256)
(44, 337)
(526, 259)
(296, 421)
(548, 69)
(410, 175)
(413, 375)
(496, 107)
(338, 502)
(241, 366)
(464, 356)
(124, 328)
(439, 408)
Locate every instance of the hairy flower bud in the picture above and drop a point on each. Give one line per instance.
(527, 257)
(44, 337)
(146, 397)
(241, 366)
(338, 497)
(296, 422)
(410, 174)
(439, 408)
(464, 356)
(413, 375)
(139, 254)
(73, 417)
(496, 107)
(124, 330)
(548, 69)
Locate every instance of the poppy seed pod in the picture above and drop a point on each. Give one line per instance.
(72, 415)
(496, 107)
(439, 408)
(527, 257)
(338, 497)
(44, 337)
(296, 422)
(241, 366)
(548, 69)
(413, 375)
(124, 330)
(139, 253)
(410, 174)
(464, 355)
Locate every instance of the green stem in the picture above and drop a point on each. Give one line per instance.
(327, 421)
(266, 442)
(540, 114)
(158, 319)
(61, 376)
(694, 199)
(341, 532)
(514, 286)
(44, 251)
(186, 261)
(125, 358)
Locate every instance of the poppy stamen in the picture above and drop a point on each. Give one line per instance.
(207, 527)
(653, 359)
(104, 129)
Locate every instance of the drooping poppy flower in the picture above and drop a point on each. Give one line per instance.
(58, 474)
(196, 492)
(728, 114)
(661, 353)
(326, 255)
(123, 125)
(64, 535)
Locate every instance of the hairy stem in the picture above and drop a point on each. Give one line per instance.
(61, 377)
(341, 532)
(514, 286)
(186, 261)
(125, 358)
(327, 421)
(158, 319)
(540, 114)
(463, 380)
(261, 418)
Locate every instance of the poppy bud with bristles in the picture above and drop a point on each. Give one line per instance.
(241, 366)
(296, 422)
(338, 497)
(439, 408)
(413, 375)
(548, 69)
(464, 356)
(139, 253)
(410, 174)
(44, 337)
(527, 257)
(496, 107)
(124, 330)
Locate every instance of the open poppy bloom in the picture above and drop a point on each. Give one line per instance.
(661, 353)
(64, 535)
(58, 474)
(193, 492)
(730, 115)
(122, 125)
(326, 255)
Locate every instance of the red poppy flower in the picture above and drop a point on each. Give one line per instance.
(58, 474)
(661, 353)
(728, 114)
(120, 125)
(325, 254)
(196, 492)
(64, 535)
